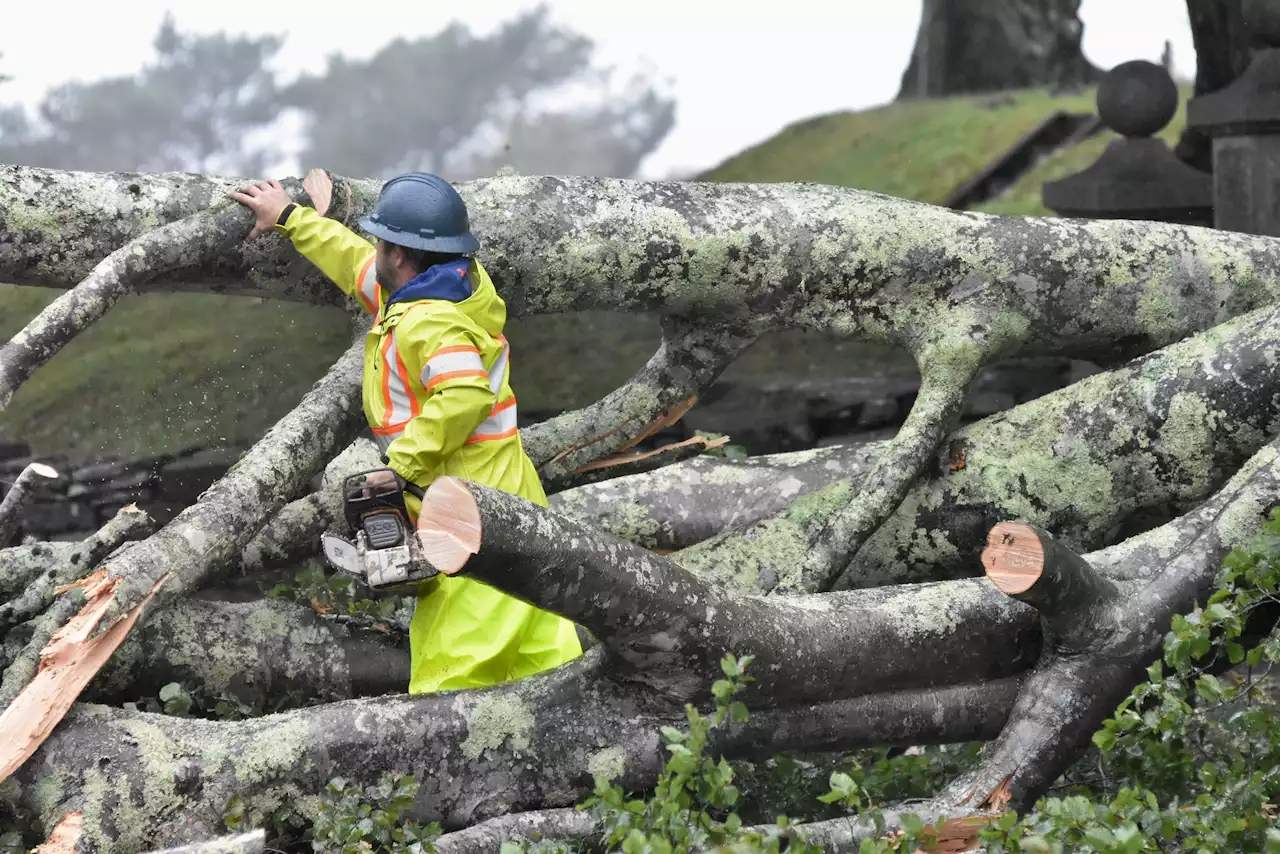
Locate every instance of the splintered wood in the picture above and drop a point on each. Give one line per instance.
(68, 662)
(636, 456)
(1014, 557)
(64, 837)
(664, 419)
(954, 835)
(449, 525)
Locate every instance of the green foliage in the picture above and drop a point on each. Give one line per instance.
(180, 701)
(1189, 758)
(728, 449)
(335, 593)
(369, 820)
(694, 804)
(349, 820)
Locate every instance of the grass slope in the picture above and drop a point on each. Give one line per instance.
(164, 372)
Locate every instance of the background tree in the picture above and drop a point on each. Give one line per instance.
(192, 108)
(975, 46)
(462, 105)
(1222, 52)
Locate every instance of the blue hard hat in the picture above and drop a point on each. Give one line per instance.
(422, 211)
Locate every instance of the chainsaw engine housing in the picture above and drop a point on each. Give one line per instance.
(385, 552)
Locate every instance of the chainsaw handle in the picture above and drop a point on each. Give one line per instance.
(412, 488)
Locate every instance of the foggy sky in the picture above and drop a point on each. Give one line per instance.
(739, 71)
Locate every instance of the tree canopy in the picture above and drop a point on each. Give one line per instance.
(455, 103)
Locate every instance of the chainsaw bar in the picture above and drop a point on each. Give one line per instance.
(342, 554)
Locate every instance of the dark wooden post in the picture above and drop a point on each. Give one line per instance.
(1243, 120)
(1136, 176)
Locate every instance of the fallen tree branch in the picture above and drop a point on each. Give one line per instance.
(1127, 448)
(204, 234)
(261, 653)
(130, 524)
(1104, 636)
(691, 357)
(1029, 565)
(666, 627)
(254, 842)
(209, 533)
(67, 663)
(540, 825)
(953, 830)
(18, 494)
(531, 744)
(637, 462)
(294, 533)
(676, 506)
(745, 257)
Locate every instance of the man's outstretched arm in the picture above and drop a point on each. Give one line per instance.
(345, 257)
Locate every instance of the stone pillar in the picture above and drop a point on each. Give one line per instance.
(1136, 176)
(1243, 121)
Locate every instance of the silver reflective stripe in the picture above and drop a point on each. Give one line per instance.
(499, 372)
(448, 361)
(396, 385)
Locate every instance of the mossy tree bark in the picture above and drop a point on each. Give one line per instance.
(915, 647)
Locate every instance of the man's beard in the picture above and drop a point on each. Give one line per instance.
(383, 276)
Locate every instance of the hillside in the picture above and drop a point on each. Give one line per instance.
(165, 372)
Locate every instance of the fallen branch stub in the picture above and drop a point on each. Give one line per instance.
(1026, 563)
(18, 494)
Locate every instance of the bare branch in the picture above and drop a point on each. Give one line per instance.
(18, 494)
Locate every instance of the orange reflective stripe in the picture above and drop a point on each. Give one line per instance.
(453, 375)
(367, 285)
(501, 423)
(402, 374)
(398, 400)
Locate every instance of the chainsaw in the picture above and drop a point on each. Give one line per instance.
(386, 552)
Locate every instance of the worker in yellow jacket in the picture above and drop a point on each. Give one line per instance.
(437, 394)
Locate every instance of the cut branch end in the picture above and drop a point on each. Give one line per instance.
(449, 525)
(1014, 557)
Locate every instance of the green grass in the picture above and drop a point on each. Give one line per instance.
(167, 371)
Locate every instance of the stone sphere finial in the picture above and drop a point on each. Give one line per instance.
(1137, 98)
(1262, 20)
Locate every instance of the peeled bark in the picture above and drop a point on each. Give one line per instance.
(128, 525)
(176, 559)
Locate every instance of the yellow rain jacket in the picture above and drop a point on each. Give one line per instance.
(438, 398)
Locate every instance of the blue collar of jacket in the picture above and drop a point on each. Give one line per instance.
(447, 281)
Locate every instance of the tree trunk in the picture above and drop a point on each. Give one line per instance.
(1222, 54)
(970, 46)
(912, 649)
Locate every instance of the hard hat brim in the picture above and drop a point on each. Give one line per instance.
(461, 244)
